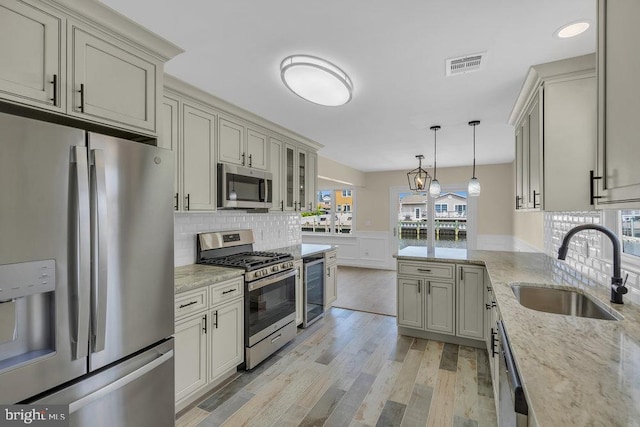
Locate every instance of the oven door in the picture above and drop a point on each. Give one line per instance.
(240, 187)
(270, 304)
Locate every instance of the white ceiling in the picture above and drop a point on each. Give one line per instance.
(395, 54)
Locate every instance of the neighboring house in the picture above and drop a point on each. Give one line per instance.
(451, 205)
(413, 207)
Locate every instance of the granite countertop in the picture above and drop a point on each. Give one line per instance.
(304, 250)
(575, 371)
(193, 276)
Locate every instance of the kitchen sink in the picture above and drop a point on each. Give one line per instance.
(561, 301)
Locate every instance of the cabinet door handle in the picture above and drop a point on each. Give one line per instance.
(429, 288)
(177, 198)
(419, 285)
(490, 306)
(282, 205)
(242, 159)
(534, 199)
(592, 191)
(216, 319)
(54, 82)
(81, 97)
(461, 274)
(250, 161)
(517, 202)
(204, 328)
(493, 343)
(424, 270)
(328, 272)
(188, 201)
(310, 206)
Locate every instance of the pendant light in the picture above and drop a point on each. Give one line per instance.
(418, 177)
(434, 188)
(474, 184)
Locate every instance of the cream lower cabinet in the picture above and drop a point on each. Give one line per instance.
(330, 278)
(209, 338)
(227, 337)
(434, 299)
(190, 355)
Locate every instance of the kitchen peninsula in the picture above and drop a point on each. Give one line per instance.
(574, 370)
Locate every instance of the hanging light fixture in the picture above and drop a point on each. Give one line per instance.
(434, 187)
(474, 184)
(418, 177)
(316, 80)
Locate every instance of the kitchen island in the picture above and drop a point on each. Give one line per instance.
(574, 370)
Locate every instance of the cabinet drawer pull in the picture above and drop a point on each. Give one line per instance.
(81, 97)
(493, 343)
(229, 291)
(188, 304)
(424, 270)
(490, 306)
(592, 191)
(54, 82)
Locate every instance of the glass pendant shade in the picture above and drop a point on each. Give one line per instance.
(474, 184)
(474, 187)
(434, 188)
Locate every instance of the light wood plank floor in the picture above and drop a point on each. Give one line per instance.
(367, 289)
(353, 369)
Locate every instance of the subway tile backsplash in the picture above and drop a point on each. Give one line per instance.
(270, 230)
(586, 262)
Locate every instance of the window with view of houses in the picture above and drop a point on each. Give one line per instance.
(630, 227)
(334, 214)
(441, 208)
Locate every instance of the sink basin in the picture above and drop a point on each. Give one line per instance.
(560, 301)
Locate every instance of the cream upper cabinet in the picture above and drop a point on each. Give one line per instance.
(257, 149)
(299, 178)
(242, 146)
(276, 162)
(31, 46)
(110, 84)
(231, 142)
(169, 140)
(618, 104)
(555, 136)
(198, 168)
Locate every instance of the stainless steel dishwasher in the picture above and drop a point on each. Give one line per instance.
(513, 406)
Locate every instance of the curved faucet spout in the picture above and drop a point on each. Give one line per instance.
(617, 287)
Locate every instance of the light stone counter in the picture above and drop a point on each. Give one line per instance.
(304, 250)
(575, 371)
(195, 276)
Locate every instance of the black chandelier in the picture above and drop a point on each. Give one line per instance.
(419, 179)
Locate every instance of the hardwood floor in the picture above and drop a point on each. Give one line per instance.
(353, 369)
(367, 289)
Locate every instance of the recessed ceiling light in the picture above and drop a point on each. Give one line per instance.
(573, 29)
(316, 80)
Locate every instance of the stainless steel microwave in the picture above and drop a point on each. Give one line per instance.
(243, 188)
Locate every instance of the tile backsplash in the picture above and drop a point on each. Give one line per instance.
(270, 230)
(586, 261)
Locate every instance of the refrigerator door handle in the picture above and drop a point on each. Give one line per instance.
(99, 251)
(119, 383)
(82, 242)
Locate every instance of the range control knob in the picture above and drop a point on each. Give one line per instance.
(275, 268)
(259, 274)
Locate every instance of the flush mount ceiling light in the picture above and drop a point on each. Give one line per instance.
(418, 177)
(474, 184)
(434, 187)
(573, 29)
(316, 80)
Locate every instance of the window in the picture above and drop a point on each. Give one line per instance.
(630, 232)
(334, 214)
(441, 208)
(417, 213)
(461, 210)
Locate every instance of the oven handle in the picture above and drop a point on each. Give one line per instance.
(271, 279)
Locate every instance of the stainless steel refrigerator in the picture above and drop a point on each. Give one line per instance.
(86, 274)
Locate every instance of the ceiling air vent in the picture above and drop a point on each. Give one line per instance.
(464, 64)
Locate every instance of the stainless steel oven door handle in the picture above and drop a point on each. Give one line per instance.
(271, 280)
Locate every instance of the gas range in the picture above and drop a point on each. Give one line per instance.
(235, 249)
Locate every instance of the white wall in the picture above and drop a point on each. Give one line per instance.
(270, 230)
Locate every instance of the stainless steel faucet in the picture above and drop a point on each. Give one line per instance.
(617, 286)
